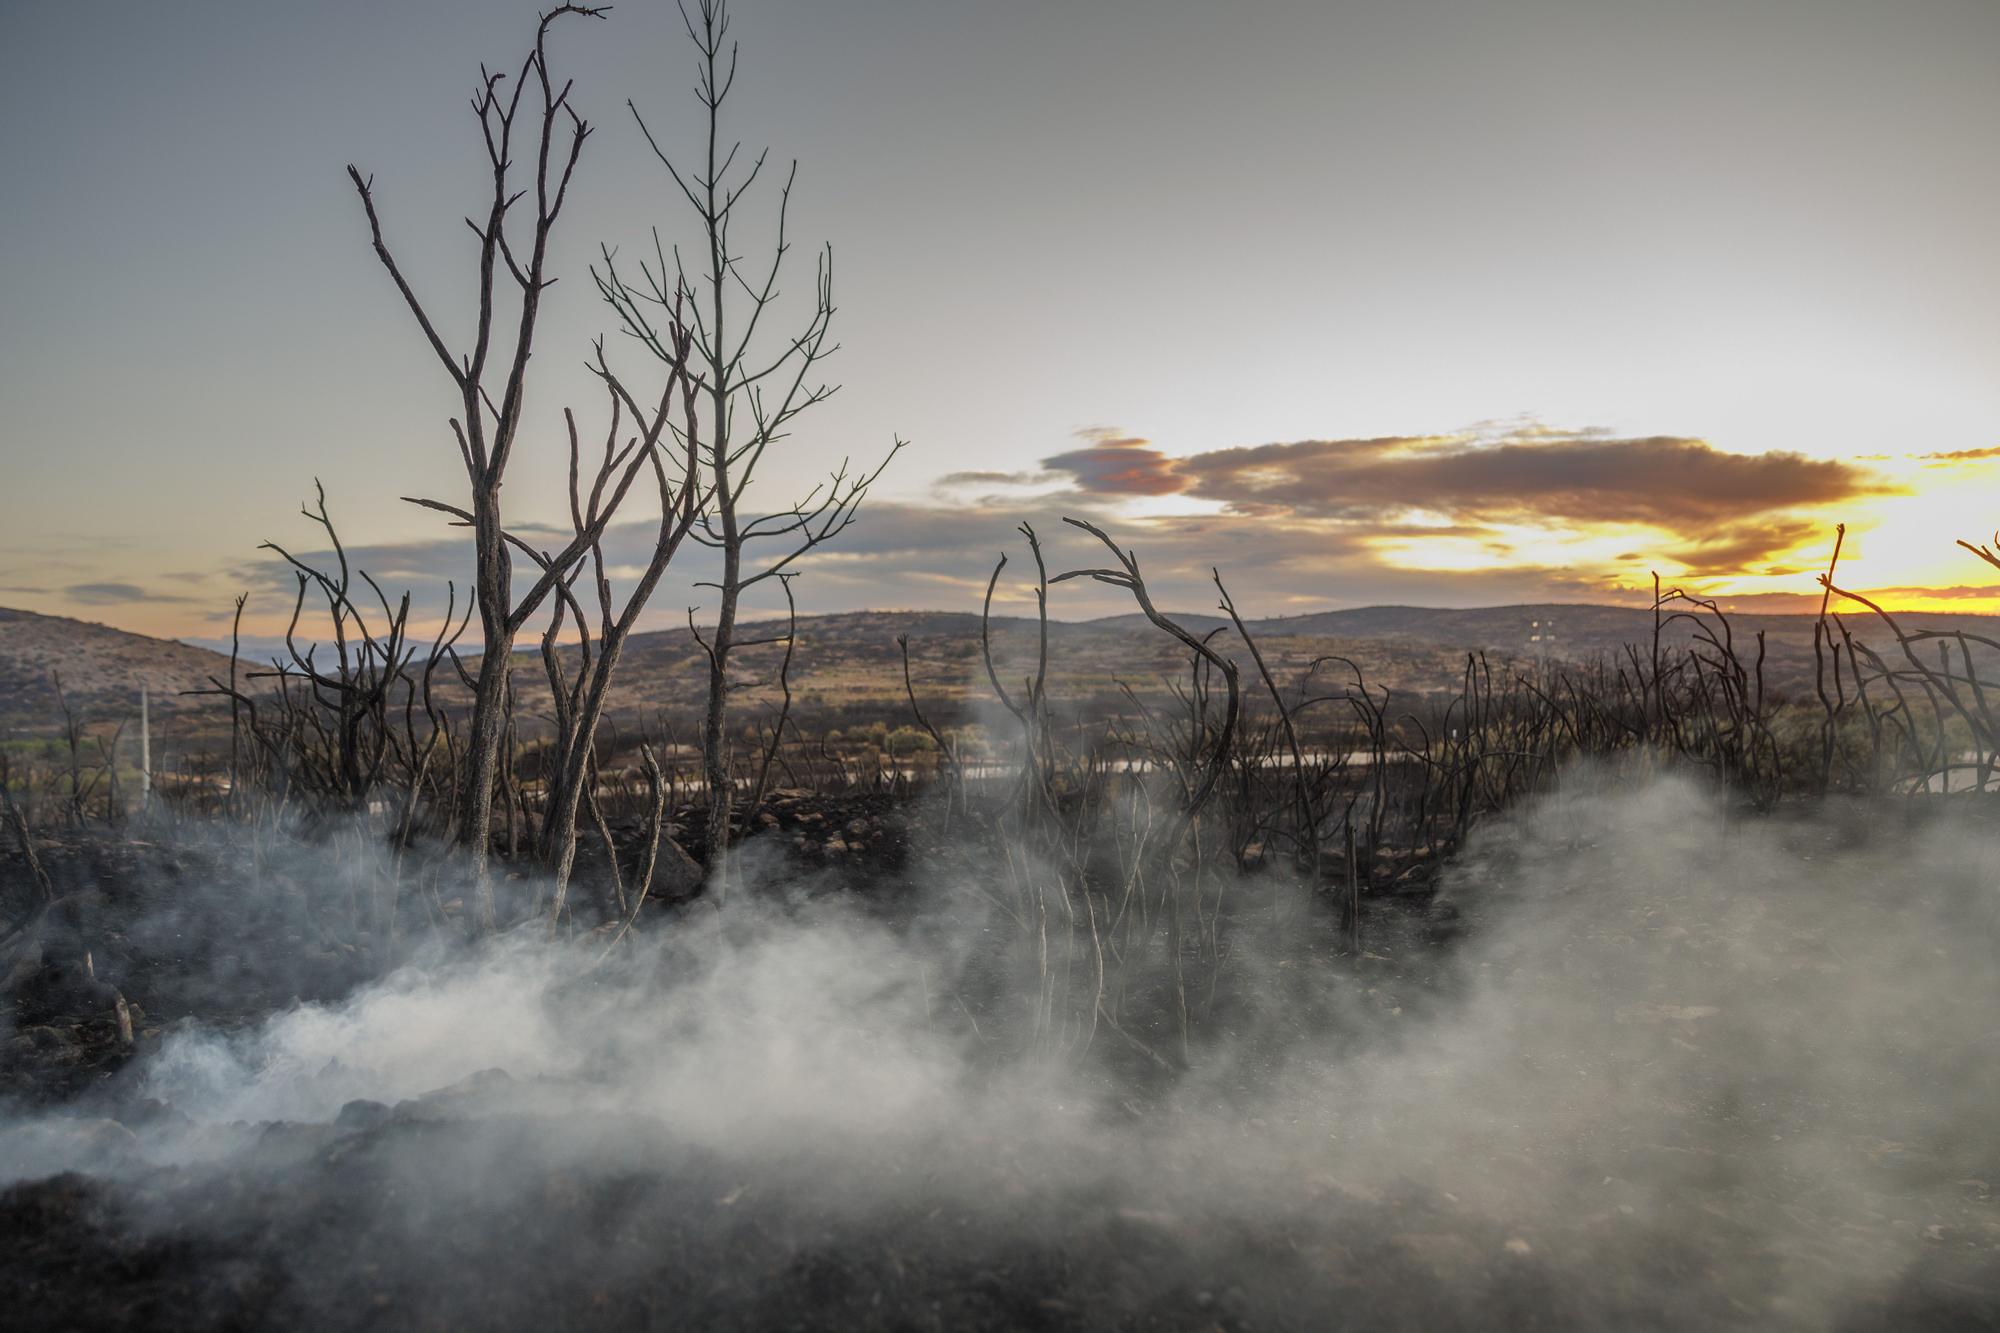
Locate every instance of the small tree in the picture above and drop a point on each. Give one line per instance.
(353, 689)
(755, 386)
(579, 702)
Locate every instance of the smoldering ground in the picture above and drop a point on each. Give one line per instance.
(1684, 1069)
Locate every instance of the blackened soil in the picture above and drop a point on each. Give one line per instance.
(420, 1221)
(416, 1218)
(175, 930)
(191, 928)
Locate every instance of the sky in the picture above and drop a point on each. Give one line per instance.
(1438, 302)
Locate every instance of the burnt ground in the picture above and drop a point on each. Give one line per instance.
(175, 929)
(333, 1227)
(470, 1209)
(184, 927)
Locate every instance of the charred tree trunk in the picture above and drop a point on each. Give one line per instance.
(716, 756)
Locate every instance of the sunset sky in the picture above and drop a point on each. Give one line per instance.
(1439, 302)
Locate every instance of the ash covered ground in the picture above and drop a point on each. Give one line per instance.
(1671, 1068)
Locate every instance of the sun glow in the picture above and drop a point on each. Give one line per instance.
(1503, 546)
(1904, 547)
(1900, 549)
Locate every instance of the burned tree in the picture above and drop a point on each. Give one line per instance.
(353, 689)
(489, 423)
(755, 386)
(579, 703)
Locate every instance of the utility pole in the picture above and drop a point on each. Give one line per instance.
(145, 750)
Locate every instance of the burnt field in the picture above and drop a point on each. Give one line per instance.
(1622, 994)
(1630, 1057)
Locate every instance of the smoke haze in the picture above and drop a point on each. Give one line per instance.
(1684, 1069)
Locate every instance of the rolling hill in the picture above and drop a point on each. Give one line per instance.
(847, 669)
(101, 669)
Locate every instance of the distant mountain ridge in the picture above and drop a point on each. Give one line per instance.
(1579, 627)
(848, 667)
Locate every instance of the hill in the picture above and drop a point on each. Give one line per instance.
(1582, 630)
(102, 670)
(847, 669)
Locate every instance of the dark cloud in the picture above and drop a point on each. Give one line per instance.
(1963, 455)
(1544, 475)
(1118, 465)
(117, 594)
(954, 480)
(1744, 546)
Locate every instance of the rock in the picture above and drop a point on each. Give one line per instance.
(361, 1114)
(1415, 879)
(46, 1038)
(676, 875)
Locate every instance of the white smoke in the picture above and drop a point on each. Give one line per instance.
(1751, 1057)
